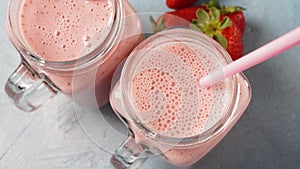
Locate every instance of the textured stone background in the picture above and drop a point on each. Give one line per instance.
(267, 136)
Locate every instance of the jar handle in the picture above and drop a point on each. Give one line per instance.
(130, 155)
(27, 89)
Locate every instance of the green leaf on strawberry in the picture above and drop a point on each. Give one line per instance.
(223, 9)
(231, 9)
(158, 25)
(209, 23)
(212, 3)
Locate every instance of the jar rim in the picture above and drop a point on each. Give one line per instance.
(78, 63)
(163, 139)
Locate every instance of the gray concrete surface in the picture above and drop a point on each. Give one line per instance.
(266, 137)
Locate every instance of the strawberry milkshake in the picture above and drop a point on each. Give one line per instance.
(92, 35)
(163, 99)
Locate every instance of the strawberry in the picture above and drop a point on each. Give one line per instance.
(177, 4)
(220, 28)
(225, 24)
(239, 18)
(185, 15)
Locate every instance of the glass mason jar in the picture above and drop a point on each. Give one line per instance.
(40, 77)
(158, 96)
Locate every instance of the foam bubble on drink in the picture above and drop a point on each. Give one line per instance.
(167, 94)
(63, 26)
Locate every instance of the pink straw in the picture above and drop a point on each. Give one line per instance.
(259, 55)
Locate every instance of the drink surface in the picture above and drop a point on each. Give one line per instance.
(159, 95)
(167, 95)
(60, 30)
(66, 30)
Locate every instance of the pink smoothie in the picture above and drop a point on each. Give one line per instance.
(170, 101)
(65, 30)
(159, 95)
(58, 31)
(167, 94)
